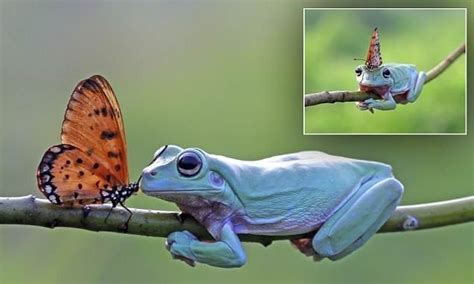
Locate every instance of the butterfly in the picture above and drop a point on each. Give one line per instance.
(90, 164)
(374, 57)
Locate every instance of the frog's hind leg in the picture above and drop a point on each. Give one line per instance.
(360, 218)
(366, 236)
(415, 91)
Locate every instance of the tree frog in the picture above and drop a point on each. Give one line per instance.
(344, 200)
(393, 82)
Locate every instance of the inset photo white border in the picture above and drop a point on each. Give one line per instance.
(363, 40)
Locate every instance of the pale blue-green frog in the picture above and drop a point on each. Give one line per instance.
(394, 83)
(345, 201)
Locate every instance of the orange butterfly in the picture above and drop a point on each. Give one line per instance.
(374, 57)
(90, 166)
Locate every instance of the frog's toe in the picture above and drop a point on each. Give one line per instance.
(361, 105)
(179, 245)
(304, 245)
(181, 252)
(181, 237)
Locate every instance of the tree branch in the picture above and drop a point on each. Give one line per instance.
(355, 96)
(29, 210)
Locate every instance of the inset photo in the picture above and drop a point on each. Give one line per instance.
(384, 71)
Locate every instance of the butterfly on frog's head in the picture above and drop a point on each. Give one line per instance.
(374, 56)
(90, 166)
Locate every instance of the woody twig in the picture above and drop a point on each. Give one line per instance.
(354, 96)
(28, 210)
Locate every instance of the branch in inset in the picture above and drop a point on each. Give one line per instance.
(29, 210)
(356, 96)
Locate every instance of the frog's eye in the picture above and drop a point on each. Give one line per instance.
(386, 73)
(358, 71)
(189, 164)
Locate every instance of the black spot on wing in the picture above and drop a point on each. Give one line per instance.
(112, 154)
(108, 135)
(103, 111)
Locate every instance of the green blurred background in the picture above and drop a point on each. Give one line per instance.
(226, 77)
(420, 37)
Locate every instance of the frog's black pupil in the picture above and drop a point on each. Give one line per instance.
(189, 164)
(358, 71)
(386, 73)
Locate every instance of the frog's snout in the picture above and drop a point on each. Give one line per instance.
(148, 174)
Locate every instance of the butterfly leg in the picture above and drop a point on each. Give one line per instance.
(125, 225)
(108, 215)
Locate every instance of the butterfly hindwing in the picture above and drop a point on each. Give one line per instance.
(93, 124)
(69, 176)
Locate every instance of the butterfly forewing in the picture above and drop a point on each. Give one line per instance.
(374, 57)
(93, 124)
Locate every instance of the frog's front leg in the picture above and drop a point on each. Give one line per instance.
(358, 219)
(387, 103)
(226, 252)
(417, 87)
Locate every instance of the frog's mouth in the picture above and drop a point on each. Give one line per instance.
(379, 90)
(160, 192)
(161, 188)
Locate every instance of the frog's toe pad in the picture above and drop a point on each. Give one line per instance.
(179, 245)
(181, 237)
(361, 105)
(177, 250)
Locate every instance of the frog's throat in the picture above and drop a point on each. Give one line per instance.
(380, 90)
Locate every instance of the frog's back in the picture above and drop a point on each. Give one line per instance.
(402, 75)
(295, 193)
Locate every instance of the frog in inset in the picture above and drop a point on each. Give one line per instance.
(394, 83)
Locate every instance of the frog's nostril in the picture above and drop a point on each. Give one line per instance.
(153, 173)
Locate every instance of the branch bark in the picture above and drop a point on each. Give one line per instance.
(354, 96)
(29, 210)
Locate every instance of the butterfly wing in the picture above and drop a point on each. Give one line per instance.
(374, 57)
(69, 176)
(93, 124)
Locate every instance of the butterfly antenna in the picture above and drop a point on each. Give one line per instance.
(359, 59)
(139, 179)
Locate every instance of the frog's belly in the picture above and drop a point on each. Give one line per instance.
(401, 98)
(292, 225)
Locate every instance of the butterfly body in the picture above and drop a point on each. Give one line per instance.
(90, 166)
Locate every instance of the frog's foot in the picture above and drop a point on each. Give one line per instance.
(225, 252)
(179, 245)
(386, 104)
(360, 218)
(361, 105)
(305, 246)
